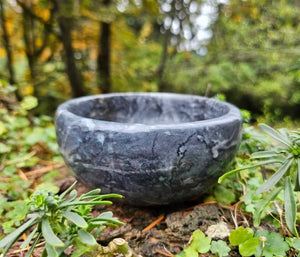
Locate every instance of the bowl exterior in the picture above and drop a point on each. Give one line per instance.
(148, 165)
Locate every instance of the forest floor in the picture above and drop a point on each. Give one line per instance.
(160, 231)
(156, 231)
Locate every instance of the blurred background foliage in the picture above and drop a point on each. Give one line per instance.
(246, 51)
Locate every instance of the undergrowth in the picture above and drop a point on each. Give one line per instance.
(264, 183)
(27, 143)
(29, 205)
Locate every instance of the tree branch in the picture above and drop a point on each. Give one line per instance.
(7, 46)
(48, 24)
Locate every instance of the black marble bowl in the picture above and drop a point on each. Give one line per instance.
(153, 148)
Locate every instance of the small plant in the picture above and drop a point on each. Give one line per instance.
(199, 243)
(63, 221)
(272, 244)
(220, 248)
(259, 244)
(285, 159)
(245, 240)
(25, 143)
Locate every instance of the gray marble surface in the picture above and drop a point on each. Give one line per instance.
(153, 148)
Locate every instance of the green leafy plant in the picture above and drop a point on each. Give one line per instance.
(273, 244)
(260, 243)
(253, 140)
(199, 243)
(248, 181)
(25, 142)
(294, 242)
(245, 240)
(285, 160)
(220, 248)
(63, 221)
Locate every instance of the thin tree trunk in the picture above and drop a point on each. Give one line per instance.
(103, 59)
(30, 48)
(7, 46)
(27, 34)
(73, 73)
(163, 61)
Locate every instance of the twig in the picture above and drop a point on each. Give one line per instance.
(38, 245)
(5, 179)
(43, 170)
(275, 218)
(208, 88)
(234, 219)
(234, 213)
(231, 207)
(24, 236)
(201, 204)
(154, 223)
(21, 159)
(22, 175)
(164, 253)
(47, 163)
(282, 223)
(280, 212)
(263, 172)
(245, 220)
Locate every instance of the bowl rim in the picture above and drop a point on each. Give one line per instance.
(232, 115)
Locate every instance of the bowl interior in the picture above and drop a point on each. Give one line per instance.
(149, 109)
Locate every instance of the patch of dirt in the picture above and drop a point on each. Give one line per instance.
(170, 226)
(175, 224)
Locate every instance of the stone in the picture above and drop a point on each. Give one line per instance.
(218, 231)
(153, 148)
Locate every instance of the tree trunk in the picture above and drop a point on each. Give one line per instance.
(31, 23)
(103, 59)
(6, 43)
(163, 61)
(73, 73)
(30, 47)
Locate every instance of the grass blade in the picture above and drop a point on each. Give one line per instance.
(67, 191)
(112, 220)
(107, 217)
(275, 134)
(248, 167)
(298, 170)
(110, 196)
(90, 194)
(98, 231)
(29, 253)
(276, 177)
(264, 154)
(85, 203)
(262, 205)
(297, 182)
(11, 238)
(297, 185)
(80, 252)
(28, 239)
(290, 207)
(72, 196)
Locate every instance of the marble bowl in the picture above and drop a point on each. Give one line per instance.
(153, 148)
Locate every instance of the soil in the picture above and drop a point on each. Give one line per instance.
(175, 224)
